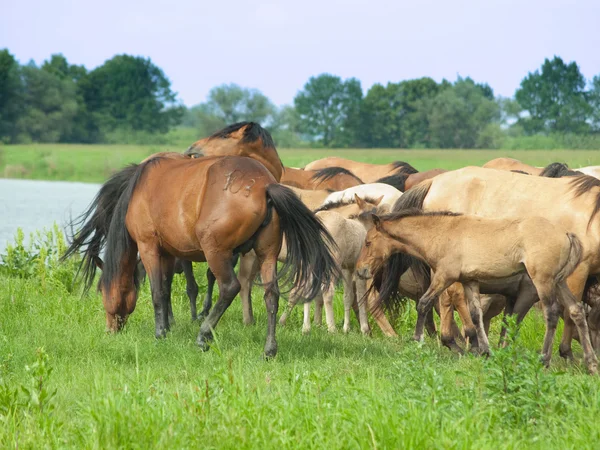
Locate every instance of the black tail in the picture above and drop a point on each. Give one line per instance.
(309, 244)
(94, 224)
(388, 275)
(405, 167)
(329, 172)
(398, 180)
(559, 170)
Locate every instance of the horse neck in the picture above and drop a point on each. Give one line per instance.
(415, 235)
(268, 158)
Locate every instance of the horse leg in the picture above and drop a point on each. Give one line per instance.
(360, 286)
(446, 319)
(429, 322)
(160, 269)
(318, 318)
(577, 313)
(249, 268)
(472, 293)
(210, 285)
(306, 322)
(576, 283)
(551, 310)
(191, 287)
(377, 312)
(292, 302)
(349, 297)
(222, 267)
(439, 282)
(457, 299)
(328, 294)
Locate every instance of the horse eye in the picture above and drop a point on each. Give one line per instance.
(367, 244)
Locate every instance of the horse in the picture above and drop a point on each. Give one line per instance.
(371, 190)
(511, 164)
(547, 252)
(592, 171)
(349, 236)
(241, 139)
(367, 172)
(203, 209)
(572, 203)
(332, 178)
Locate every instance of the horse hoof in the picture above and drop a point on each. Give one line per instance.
(203, 343)
(160, 334)
(270, 354)
(332, 329)
(566, 354)
(305, 330)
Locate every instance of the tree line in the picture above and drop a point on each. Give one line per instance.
(129, 99)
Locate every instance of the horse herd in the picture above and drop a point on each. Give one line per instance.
(477, 241)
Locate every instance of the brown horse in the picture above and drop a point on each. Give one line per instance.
(241, 139)
(548, 254)
(332, 178)
(369, 173)
(205, 209)
(510, 164)
(572, 203)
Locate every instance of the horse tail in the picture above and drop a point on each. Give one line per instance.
(309, 245)
(574, 258)
(93, 225)
(387, 276)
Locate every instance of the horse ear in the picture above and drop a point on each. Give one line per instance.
(359, 201)
(378, 201)
(376, 222)
(99, 262)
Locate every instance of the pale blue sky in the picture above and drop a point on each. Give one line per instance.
(276, 46)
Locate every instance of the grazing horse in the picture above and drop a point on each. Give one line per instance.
(572, 203)
(479, 249)
(372, 190)
(510, 164)
(206, 209)
(332, 178)
(369, 173)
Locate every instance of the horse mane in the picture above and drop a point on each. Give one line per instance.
(397, 180)
(252, 133)
(417, 212)
(559, 170)
(521, 172)
(405, 167)
(340, 203)
(328, 173)
(583, 184)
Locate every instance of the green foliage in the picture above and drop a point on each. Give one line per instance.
(329, 108)
(11, 96)
(555, 99)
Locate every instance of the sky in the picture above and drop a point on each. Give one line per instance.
(276, 46)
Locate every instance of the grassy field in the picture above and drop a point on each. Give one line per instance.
(88, 389)
(95, 163)
(65, 383)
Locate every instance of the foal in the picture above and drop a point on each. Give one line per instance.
(479, 249)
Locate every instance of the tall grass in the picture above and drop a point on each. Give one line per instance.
(65, 383)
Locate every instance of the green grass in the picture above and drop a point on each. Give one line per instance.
(95, 163)
(321, 391)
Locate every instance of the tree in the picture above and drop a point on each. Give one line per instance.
(457, 116)
(285, 128)
(131, 92)
(50, 105)
(329, 109)
(594, 101)
(554, 98)
(11, 96)
(232, 103)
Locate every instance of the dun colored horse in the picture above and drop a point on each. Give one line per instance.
(388, 193)
(510, 164)
(480, 249)
(572, 203)
(369, 173)
(332, 178)
(404, 181)
(206, 209)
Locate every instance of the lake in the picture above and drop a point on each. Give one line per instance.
(34, 205)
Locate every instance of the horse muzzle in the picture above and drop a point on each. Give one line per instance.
(364, 273)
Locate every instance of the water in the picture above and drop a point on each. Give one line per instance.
(34, 205)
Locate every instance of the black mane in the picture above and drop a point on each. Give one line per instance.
(340, 203)
(397, 180)
(559, 170)
(404, 167)
(417, 212)
(329, 172)
(252, 133)
(582, 185)
(521, 172)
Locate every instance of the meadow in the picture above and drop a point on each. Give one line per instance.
(94, 163)
(65, 383)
